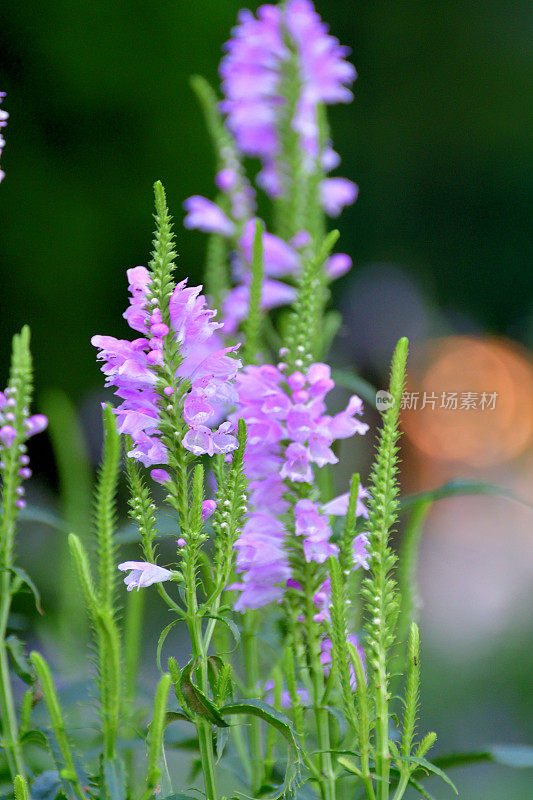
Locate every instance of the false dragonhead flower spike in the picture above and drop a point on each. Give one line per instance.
(259, 56)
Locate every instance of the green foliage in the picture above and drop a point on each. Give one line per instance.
(162, 265)
(252, 324)
(105, 513)
(348, 531)
(229, 512)
(278, 721)
(379, 589)
(156, 735)
(21, 788)
(338, 638)
(304, 332)
(12, 578)
(68, 772)
(20, 388)
(100, 598)
(75, 485)
(142, 509)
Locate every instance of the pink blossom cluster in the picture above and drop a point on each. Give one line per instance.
(34, 424)
(289, 433)
(131, 367)
(252, 72)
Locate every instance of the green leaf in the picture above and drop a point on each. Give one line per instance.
(517, 756)
(24, 578)
(43, 517)
(419, 788)
(35, 736)
(222, 739)
(351, 381)
(161, 641)
(282, 724)
(460, 487)
(340, 719)
(429, 767)
(114, 779)
(349, 765)
(21, 664)
(233, 627)
(197, 701)
(214, 668)
(174, 716)
(46, 786)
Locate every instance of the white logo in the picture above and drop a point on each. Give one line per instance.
(384, 400)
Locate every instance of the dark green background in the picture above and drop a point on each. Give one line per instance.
(438, 139)
(100, 107)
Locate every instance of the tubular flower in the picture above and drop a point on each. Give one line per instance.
(289, 433)
(143, 574)
(205, 372)
(257, 59)
(9, 436)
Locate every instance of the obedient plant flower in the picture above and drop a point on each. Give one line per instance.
(326, 656)
(289, 435)
(205, 372)
(281, 67)
(3, 122)
(279, 70)
(16, 427)
(143, 574)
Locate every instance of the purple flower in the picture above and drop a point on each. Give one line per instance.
(303, 696)
(288, 431)
(360, 551)
(296, 466)
(315, 531)
(8, 435)
(143, 574)
(209, 369)
(338, 265)
(336, 193)
(279, 258)
(204, 215)
(208, 509)
(160, 476)
(12, 437)
(326, 651)
(252, 69)
(338, 507)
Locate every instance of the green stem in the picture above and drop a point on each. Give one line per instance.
(382, 734)
(132, 641)
(203, 727)
(251, 668)
(10, 740)
(402, 786)
(327, 776)
(10, 735)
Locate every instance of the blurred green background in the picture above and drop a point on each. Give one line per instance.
(438, 139)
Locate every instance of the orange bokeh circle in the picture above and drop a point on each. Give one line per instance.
(490, 418)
